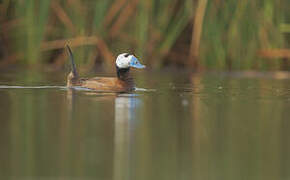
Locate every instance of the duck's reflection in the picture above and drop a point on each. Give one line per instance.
(125, 122)
(70, 99)
(126, 106)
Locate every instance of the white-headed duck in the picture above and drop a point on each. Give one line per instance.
(122, 83)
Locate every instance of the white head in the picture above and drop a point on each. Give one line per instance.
(126, 60)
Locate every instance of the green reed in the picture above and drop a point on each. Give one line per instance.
(31, 30)
(232, 34)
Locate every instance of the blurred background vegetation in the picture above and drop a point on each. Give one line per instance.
(200, 34)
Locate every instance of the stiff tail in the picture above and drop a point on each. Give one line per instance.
(71, 57)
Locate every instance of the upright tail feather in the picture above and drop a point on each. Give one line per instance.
(72, 78)
(71, 57)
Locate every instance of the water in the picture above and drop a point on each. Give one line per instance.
(177, 125)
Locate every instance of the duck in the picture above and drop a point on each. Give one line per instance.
(123, 82)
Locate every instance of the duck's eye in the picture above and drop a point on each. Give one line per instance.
(126, 55)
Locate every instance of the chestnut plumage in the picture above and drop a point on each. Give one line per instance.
(122, 83)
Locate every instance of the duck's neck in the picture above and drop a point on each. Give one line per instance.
(123, 73)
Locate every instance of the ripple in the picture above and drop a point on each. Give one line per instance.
(144, 90)
(31, 87)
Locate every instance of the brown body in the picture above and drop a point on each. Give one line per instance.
(122, 83)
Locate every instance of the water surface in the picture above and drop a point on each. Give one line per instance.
(177, 125)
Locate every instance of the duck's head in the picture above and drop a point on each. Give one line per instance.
(126, 60)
